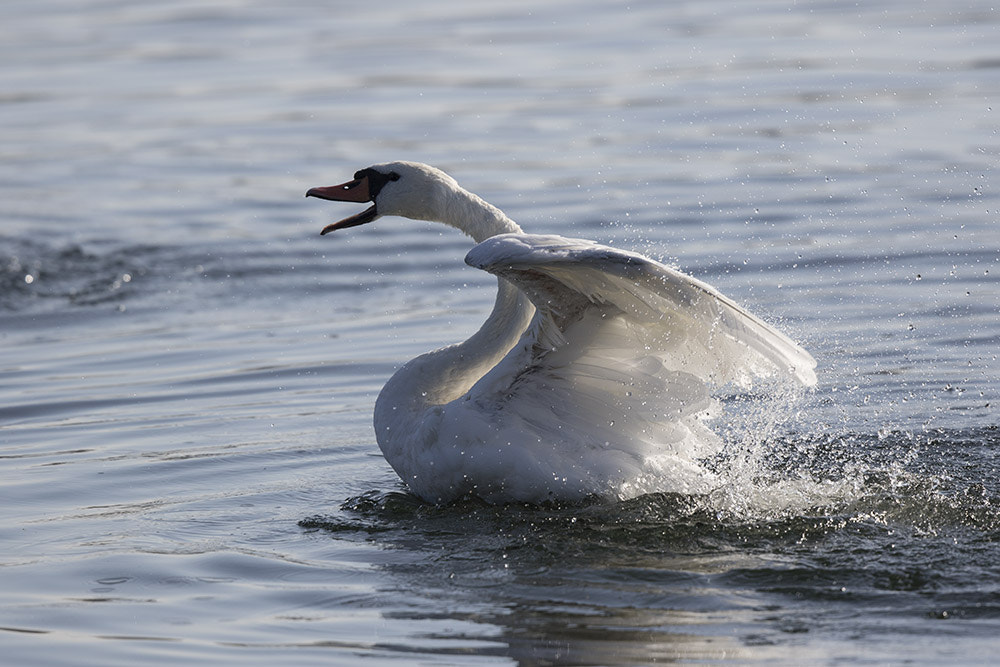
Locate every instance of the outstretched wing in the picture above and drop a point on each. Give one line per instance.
(696, 329)
(620, 357)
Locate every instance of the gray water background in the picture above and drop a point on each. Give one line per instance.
(187, 369)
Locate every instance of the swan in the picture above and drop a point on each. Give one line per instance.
(592, 375)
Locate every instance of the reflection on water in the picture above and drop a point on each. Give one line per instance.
(187, 369)
(676, 578)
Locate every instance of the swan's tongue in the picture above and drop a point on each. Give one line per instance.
(358, 191)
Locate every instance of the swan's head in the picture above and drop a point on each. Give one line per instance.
(407, 189)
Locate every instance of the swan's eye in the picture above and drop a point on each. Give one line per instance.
(376, 180)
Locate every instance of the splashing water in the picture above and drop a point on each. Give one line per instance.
(770, 474)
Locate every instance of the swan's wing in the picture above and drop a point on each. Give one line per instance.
(708, 334)
(619, 359)
(606, 391)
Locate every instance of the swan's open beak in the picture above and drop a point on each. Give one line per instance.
(357, 190)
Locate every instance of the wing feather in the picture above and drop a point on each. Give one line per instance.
(620, 358)
(721, 341)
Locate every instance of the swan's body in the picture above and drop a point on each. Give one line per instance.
(591, 376)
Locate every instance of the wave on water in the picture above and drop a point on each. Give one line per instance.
(883, 529)
(34, 273)
(48, 276)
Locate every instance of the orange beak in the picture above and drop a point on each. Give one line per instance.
(357, 190)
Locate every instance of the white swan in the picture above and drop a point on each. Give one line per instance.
(590, 376)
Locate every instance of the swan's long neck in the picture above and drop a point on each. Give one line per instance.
(473, 215)
(443, 375)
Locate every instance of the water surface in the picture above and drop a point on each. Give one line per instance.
(187, 369)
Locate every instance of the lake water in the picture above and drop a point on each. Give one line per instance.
(187, 370)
